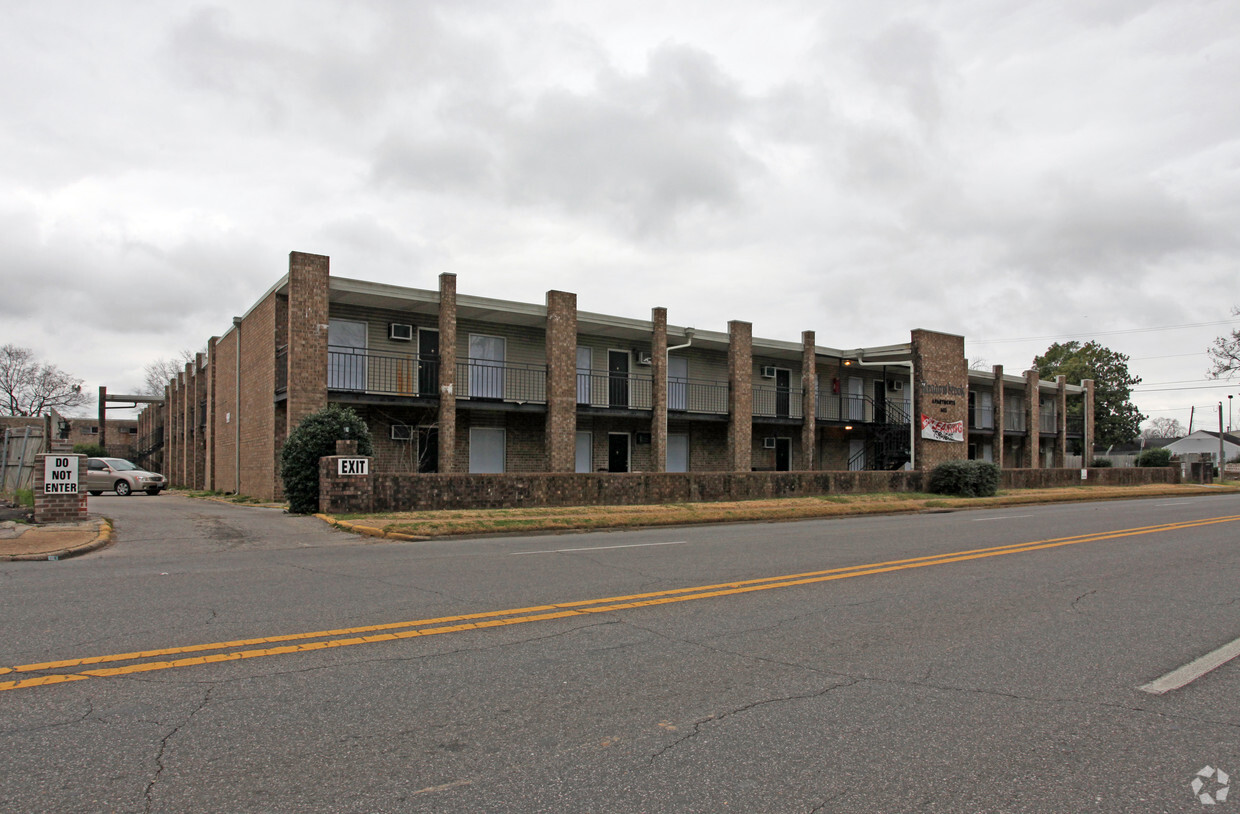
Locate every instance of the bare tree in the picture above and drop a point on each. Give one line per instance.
(1163, 428)
(161, 371)
(30, 388)
(1225, 353)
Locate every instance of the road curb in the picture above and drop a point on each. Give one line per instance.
(370, 531)
(103, 536)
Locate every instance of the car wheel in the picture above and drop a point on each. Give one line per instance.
(95, 493)
(122, 488)
(152, 492)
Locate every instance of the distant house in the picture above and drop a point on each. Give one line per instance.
(1206, 441)
(1126, 454)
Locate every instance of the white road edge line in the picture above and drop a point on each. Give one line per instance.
(1176, 503)
(1194, 670)
(1004, 517)
(593, 548)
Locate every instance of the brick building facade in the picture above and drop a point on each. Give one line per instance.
(455, 383)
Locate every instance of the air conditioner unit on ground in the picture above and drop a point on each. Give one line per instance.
(643, 358)
(895, 384)
(402, 432)
(400, 332)
(768, 372)
(769, 442)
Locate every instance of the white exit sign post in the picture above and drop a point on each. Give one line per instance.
(60, 475)
(353, 466)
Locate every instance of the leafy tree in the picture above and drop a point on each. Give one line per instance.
(1164, 428)
(315, 437)
(31, 388)
(1116, 419)
(1225, 353)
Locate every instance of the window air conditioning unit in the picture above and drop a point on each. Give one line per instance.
(399, 332)
(768, 442)
(895, 384)
(643, 358)
(768, 372)
(402, 432)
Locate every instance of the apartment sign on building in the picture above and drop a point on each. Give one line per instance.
(353, 466)
(60, 475)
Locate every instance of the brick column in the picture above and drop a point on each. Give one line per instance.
(996, 400)
(809, 401)
(1087, 443)
(940, 391)
(51, 504)
(447, 373)
(187, 427)
(740, 396)
(103, 419)
(1061, 421)
(200, 421)
(308, 277)
(1033, 416)
(208, 468)
(561, 382)
(166, 452)
(658, 390)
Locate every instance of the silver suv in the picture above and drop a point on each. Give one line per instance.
(120, 476)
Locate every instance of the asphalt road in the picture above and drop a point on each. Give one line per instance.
(984, 661)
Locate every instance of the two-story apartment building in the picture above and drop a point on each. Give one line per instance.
(456, 383)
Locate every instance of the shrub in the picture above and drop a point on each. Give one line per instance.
(1101, 463)
(90, 450)
(25, 497)
(315, 437)
(965, 479)
(1155, 457)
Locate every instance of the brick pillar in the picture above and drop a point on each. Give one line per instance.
(447, 373)
(166, 457)
(200, 421)
(187, 426)
(809, 400)
(1087, 443)
(61, 501)
(940, 392)
(740, 396)
(208, 468)
(1061, 421)
(561, 432)
(996, 400)
(658, 390)
(308, 277)
(1033, 416)
(103, 419)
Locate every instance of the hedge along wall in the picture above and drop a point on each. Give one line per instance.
(345, 494)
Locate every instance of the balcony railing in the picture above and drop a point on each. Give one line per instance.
(982, 418)
(1046, 422)
(777, 402)
(478, 379)
(624, 391)
(1014, 420)
(1076, 425)
(401, 374)
(282, 369)
(697, 396)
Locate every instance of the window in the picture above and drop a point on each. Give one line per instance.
(486, 450)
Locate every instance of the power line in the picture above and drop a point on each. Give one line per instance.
(1104, 333)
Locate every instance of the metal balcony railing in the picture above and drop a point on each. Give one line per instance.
(1076, 425)
(1014, 420)
(478, 379)
(777, 402)
(697, 396)
(1047, 423)
(401, 374)
(282, 369)
(841, 407)
(622, 391)
(982, 418)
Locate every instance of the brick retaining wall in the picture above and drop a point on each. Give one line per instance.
(407, 492)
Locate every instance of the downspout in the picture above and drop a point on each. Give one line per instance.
(689, 332)
(237, 413)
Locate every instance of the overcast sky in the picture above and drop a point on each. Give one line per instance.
(1013, 171)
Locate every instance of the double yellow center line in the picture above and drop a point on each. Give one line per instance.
(57, 672)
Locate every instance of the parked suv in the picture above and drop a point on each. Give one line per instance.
(120, 476)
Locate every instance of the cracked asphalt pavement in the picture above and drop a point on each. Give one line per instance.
(1005, 683)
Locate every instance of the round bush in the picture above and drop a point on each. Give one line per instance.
(1155, 457)
(90, 450)
(1101, 463)
(965, 479)
(314, 438)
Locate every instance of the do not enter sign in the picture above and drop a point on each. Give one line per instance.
(60, 475)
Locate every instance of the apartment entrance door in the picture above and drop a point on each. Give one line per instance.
(783, 390)
(618, 379)
(783, 454)
(618, 452)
